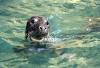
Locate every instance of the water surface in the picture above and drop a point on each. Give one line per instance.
(68, 20)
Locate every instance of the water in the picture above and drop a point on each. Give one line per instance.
(75, 46)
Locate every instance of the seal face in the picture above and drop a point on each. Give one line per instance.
(37, 27)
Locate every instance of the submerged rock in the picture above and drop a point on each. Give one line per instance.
(93, 24)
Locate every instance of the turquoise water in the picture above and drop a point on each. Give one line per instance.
(68, 20)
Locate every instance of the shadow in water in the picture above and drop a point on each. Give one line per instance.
(36, 53)
(32, 46)
(39, 58)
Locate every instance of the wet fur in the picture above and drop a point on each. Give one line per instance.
(32, 28)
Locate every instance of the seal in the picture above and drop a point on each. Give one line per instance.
(37, 28)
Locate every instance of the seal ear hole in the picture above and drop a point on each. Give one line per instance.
(47, 23)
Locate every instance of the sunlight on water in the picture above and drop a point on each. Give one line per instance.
(74, 34)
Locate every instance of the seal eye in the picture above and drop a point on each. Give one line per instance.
(32, 21)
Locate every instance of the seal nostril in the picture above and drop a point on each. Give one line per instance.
(40, 28)
(45, 28)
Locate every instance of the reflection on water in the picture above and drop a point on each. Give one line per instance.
(74, 31)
